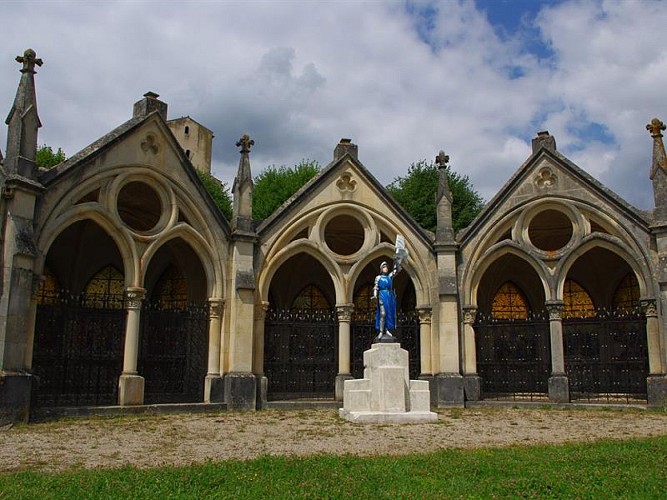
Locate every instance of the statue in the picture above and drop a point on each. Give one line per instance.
(383, 292)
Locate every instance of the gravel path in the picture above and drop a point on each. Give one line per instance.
(182, 439)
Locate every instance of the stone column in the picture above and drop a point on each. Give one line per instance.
(559, 389)
(425, 317)
(344, 373)
(258, 354)
(656, 383)
(472, 383)
(130, 384)
(213, 385)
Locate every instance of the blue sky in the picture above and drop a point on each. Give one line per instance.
(477, 78)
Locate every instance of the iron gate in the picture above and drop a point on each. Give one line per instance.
(606, 357)
(173, 353)
(78, 350)
(362, 333)
(513, 357)
(300, 353)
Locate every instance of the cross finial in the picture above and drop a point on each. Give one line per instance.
(655, 128)
(245, 143)
(29, 59)
(442, 159)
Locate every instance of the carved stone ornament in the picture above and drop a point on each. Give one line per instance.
(546, 179)
(345, 312)
(425, 315)
(555, 310)
(469, 315)
(216, 307)
(149, 144)
(649, 306)
(655, 128)
(134, 297)
(346, 184)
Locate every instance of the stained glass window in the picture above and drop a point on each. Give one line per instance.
(364, 305)
(311, 298)
(171, 289)
(577, 302)
(509, 303)
(626, 296)
(106, 289)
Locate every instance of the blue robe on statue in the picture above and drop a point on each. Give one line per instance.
(387, 297)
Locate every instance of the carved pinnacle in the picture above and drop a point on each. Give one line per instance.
(245, 143)
(29, 59)
(442, 159)
(655, 128)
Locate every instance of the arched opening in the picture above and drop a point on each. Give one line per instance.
(301, 331)
(174, 326)
(80, 322)
(363, 325)
(512, 332)
(604, 330)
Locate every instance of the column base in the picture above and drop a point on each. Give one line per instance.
(241, 391)
(15, 394)
(559, 389)
(340, 385)
(472, 387)
(430, 379)
(130, 390)
(448, 389)
(656, 388)
(214, 389)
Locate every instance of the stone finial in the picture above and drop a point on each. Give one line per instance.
(544, 140)
(245, 143)
(655, 128)
(442, 159)
(29, 59)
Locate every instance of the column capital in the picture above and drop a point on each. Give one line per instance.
(425, 315)
(469, 314)
(344, 312)
(649, 306)
(555, 309)
(261, 308)
(216, 307)
(134, 296)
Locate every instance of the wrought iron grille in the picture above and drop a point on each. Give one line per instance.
(78, 350)
(173, 352)
(606, 357)
(362, 332)
(300, 353)
(513, 357)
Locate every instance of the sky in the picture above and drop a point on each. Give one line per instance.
(403, 80)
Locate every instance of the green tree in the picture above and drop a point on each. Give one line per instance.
(219, 192)
(275, 185)
(416, 193)
(46, 158)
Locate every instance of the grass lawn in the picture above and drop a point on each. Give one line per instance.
(604, 469)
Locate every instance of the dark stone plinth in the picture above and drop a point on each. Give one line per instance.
(241, 391)
(386, 338)
(15, 397)
(656, 387)
(472, 387)
(262, 390)
(214, 389)
(448, 388)
(429, 379)
(340, 385)
(559, 389)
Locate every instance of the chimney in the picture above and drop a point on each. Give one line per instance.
(544, 140)
(148, 104)
(344, 147)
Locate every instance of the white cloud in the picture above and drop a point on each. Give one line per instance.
(402, 83)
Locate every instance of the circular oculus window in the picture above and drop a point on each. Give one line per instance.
(550, 230)
(344, 235)
(139, 206)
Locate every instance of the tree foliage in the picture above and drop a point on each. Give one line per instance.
(46, 158)
(219, 192)
(275, 185)
(416, 193)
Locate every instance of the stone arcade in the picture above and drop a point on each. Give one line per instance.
(123, 284)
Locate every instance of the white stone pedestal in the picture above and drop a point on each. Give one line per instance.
(386, 394)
